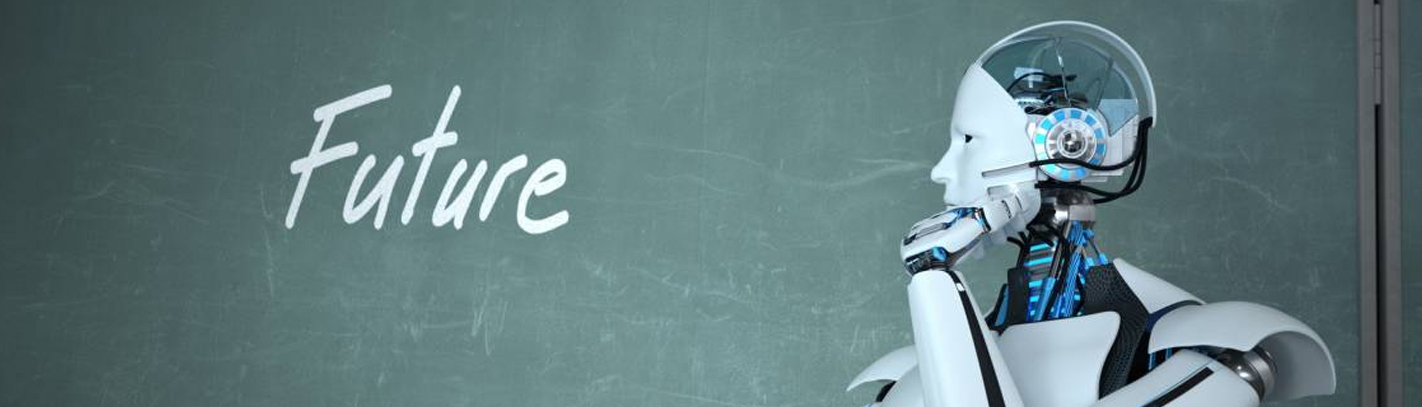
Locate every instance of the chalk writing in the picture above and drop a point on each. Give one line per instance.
(451, 207)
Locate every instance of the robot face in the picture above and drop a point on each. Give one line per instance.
(988, 146)
(1063, 90)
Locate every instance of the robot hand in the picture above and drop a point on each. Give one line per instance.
(947, 237)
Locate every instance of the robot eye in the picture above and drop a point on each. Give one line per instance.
(967, 138)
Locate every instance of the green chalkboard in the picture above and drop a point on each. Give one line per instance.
(737, 174)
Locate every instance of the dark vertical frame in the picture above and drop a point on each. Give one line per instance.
(1390, 211)
(1379, 205)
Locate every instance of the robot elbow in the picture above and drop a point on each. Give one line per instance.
(1254, 367)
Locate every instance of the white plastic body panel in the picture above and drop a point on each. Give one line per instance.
(890, 367)
(1303, 365)
(948, 347)
(1058, 363)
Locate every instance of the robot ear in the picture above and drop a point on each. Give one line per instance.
(1071, 133)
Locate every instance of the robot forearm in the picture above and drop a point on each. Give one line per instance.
(959, 364)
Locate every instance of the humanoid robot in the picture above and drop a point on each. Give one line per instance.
(1038, 116)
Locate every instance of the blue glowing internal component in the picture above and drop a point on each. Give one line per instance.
(1038, 261)
(1057, 292)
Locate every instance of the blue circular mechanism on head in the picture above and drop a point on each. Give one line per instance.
(1070, 133)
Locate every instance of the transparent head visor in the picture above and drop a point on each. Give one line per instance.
(1073, 65)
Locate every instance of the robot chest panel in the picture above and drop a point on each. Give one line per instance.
(1058, 363)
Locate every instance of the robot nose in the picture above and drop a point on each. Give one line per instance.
(938, 177)
(942, 173)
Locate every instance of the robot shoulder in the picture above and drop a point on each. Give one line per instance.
(1302, 365)
(1155, 294)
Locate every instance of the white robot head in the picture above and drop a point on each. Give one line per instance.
(1048, 107)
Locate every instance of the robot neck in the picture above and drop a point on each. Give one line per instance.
(1058, 250)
